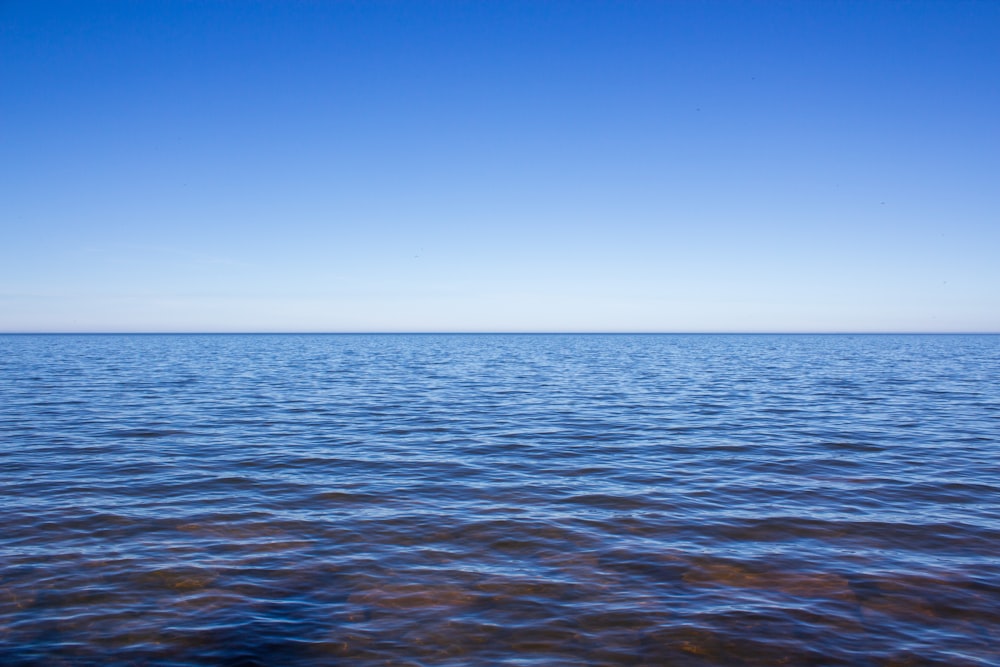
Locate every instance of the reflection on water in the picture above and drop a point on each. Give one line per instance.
(453, 500)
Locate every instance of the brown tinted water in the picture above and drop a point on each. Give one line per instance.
(500, 500)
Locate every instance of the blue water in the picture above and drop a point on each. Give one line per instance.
(499, 500)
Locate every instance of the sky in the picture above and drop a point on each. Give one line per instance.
(693, 166)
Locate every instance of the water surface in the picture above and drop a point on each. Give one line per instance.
(507, 500)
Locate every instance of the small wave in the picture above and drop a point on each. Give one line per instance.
(147, 433)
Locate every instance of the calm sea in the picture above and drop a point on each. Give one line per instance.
(499, 500)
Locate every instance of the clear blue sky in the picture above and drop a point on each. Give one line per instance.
(499, 166)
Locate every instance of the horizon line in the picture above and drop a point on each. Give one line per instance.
(502, 333)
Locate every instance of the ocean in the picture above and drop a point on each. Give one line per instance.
(500, 500)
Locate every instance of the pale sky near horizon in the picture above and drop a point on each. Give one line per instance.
(499, 166)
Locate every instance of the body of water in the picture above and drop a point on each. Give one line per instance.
(499, 500)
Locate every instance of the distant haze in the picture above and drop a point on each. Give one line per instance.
(499, 166)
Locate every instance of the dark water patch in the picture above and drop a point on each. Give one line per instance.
(853, 446)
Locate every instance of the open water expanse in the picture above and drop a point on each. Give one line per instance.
(499, 500)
